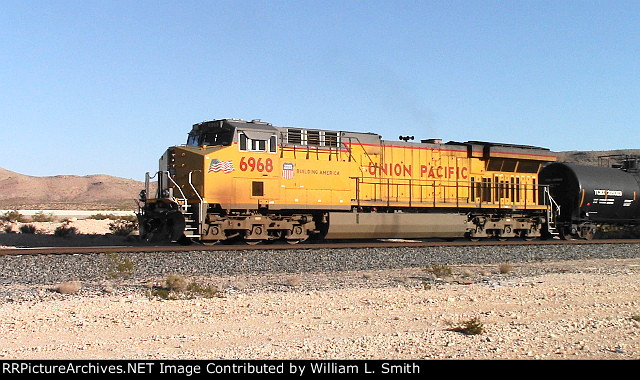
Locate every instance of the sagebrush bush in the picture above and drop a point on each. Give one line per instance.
(28, 229)
(68, 287)
(65, 230)
(293, 281)
(439, 270)
(505, 268)
(118, 266)
(129, 218)
(13, 216)
(178, 287)
(470, 327)
(176, 282)
(42, 217)
(123, 227)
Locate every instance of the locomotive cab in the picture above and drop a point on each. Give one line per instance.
(226, 166)
(211, 134)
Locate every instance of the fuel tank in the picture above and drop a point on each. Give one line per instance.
(592, 193)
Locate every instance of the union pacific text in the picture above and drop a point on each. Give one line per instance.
(426, 171)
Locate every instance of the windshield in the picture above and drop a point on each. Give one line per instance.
(211, 134)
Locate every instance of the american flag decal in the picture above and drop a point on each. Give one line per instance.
(287, 170)
(217, 165)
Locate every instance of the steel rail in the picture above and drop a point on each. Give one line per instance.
(321, 245)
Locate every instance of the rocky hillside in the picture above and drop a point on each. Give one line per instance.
(103, 192)
(93, 192)
(591, 157)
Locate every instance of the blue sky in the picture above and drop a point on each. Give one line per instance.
(104, 87)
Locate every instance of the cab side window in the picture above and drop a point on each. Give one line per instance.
(246, 144)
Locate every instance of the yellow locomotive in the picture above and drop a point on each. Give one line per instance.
(252, 181)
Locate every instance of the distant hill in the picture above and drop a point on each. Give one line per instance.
(92, 192)
(103, 192)
(591, 157)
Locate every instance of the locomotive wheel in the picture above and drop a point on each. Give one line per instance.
(174, 225)
(232, 239)
(299, 234)
(470, 237)
(565, 236)
(183, 240)
(525, 236)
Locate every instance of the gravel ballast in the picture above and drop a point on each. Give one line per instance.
(556, 301)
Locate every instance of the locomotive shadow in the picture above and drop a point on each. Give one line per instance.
(26, 240)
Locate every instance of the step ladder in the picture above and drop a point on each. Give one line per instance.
(191, 213)
(552, 212)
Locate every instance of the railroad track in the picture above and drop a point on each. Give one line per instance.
(323, 245)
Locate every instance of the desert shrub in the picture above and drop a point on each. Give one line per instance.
(69, 287)
(178, 287)
(28, 229)
(505, 268)
(207, 291)
(293, 281)
(439, 270)
(118, 266)
(129, 218)
(42, 217)
(123, 227)
(102, 217)
(65, 230)
(13, 216)
(176, 282)
(471, 327)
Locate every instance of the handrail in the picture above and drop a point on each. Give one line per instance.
(147, 178)
(351, 156)
(387, 191)
(192, 187)
(200, 208)
(184, 198)
(554, 208)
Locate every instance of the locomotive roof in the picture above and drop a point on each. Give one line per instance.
(503, 145)
(261, 126)
(235, 123)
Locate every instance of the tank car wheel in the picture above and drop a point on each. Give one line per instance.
(588, 234)
(253, 241)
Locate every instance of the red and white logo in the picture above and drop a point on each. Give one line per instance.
(287, 170)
